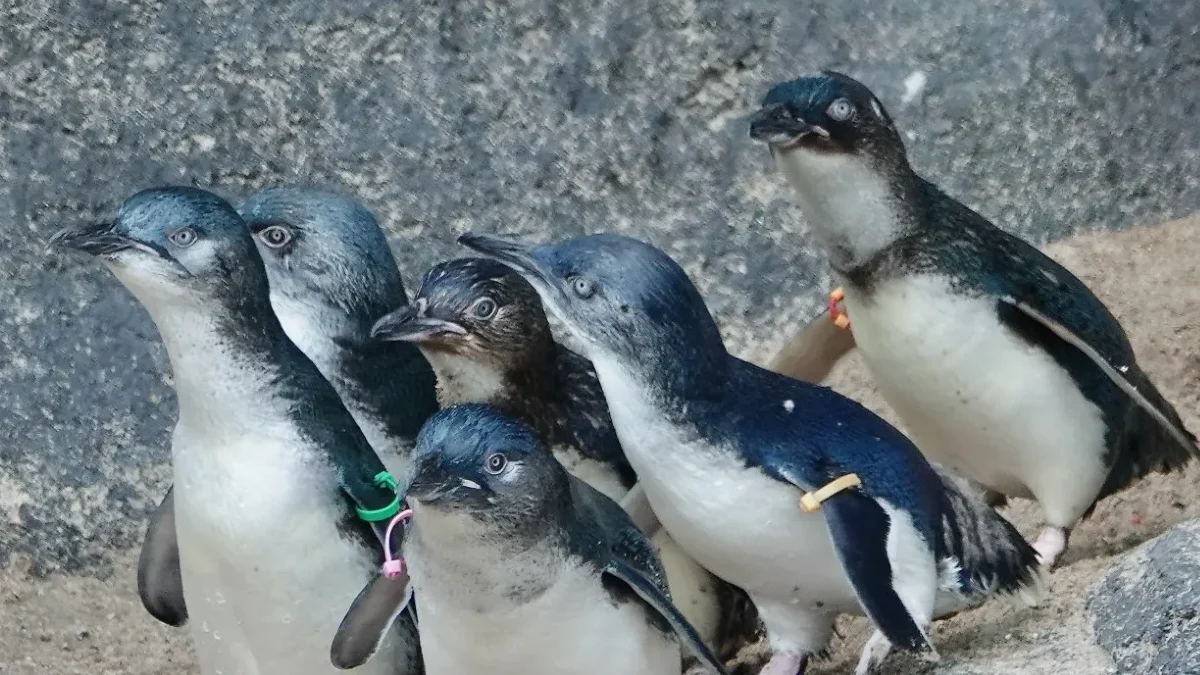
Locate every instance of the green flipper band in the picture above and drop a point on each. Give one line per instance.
(383, 479)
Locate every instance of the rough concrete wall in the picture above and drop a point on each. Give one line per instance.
(533, 116)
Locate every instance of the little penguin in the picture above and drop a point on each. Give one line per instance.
(483, 328)
(274, 483)
(522, 569)
(807, 500)
(1002, 365)
(331, 274)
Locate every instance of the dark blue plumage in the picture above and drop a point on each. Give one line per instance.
(500, 527)
(332, 275)
(902, 249)
(709, 434)
(986, 260)
(260, 434)
(483, 328)
(153, 220)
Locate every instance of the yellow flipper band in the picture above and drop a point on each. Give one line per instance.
(811, 501)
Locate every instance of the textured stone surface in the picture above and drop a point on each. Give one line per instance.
(1147, 610)
(539, 116)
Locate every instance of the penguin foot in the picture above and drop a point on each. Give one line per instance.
(840, 319)
(873, 654)
(786, 663)
(1050, 545)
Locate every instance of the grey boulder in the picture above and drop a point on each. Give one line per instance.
(1147, 610)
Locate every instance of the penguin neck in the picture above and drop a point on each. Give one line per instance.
(668, 377)
(473, 565)
(388, 386)
(227, 365)
(855, 206)
(536, 391)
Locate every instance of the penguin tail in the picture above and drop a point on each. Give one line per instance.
(1153, 440)
(982, 553)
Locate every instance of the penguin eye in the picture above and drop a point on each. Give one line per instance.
(184, 236)
(840, 110)
(582, 287)
(484, 308)
(495, 463)
(275, 236)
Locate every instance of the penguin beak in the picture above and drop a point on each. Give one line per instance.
(520, 257)
(405, 325)
(432, 483)
(105, 241)
(98, 239)
(776, 125)
(516, 255)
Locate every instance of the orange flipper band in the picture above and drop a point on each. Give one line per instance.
(840, 319)
(811, 501)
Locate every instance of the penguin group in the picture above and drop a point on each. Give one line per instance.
(378, 484)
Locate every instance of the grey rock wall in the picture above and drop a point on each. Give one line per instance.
(545, 117)
(1147, 611)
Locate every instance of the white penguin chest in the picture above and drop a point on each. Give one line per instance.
(572, 628)
(736, 521)
(267, 575)
(974, 396)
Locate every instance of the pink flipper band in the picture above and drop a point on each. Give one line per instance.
(393, 567)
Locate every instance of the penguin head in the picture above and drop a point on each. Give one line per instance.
(621, 297)
(328, 261)
(476, 309)
(825, 114)
(172, 245)
(474, 469)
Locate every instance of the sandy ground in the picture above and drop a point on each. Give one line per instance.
(1149, 277)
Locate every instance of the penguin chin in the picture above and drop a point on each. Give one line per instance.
(151, 279)
(808, 143)
(448, 522)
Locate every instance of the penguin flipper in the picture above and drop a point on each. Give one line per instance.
(657, 601)
(1118, 377)
(368, 620)
(159, 579)
(859, 528)
(814, 350)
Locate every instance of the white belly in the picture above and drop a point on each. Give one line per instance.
(572, 629)
(742, 525)
(978, 399)
(266, 575)
(692, 587)
(749, 530)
